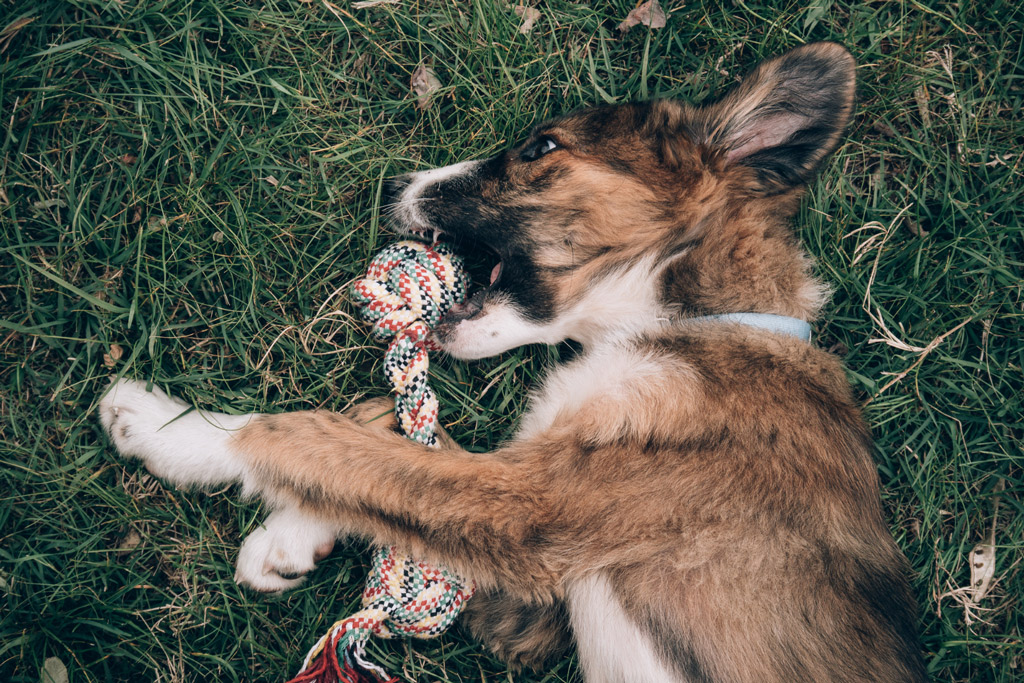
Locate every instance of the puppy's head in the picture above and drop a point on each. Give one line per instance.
(595, 211)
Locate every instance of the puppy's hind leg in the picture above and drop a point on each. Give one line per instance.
(522, 635)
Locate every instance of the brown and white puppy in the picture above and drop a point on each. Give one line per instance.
(687, 500)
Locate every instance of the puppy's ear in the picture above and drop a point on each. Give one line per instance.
(785, 118)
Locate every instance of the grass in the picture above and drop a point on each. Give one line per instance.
(187, 187)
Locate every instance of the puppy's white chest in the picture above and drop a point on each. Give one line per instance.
(613, 373)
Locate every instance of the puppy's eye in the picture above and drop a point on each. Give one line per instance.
(542, 146)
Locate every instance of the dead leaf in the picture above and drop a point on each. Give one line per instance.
(367, 4)
(217, 237)
(647, 13)
(982, 559)
(113, 355)
(271, 180)
(915, 228)
(128, 159)
(983, 556)
(53, 671)
(44, 204)
(884, 128)
(983, 569)
(130, 542)
(424, 82)
(530, 15)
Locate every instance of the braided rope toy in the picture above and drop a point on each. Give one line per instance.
(407, 288)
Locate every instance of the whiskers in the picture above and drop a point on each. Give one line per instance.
(386, 206)
(392, 209)
(402, 217)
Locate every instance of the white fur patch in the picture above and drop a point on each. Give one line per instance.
(407, 210)
(185, 448)
(613, 371)
(289, 543)
(499, 327)
(812, 295)
(611, 648)
(619, 305)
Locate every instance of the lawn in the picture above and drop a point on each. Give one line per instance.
(187, 188)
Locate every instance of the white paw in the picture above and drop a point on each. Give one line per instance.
(278, 555)
(181, 445)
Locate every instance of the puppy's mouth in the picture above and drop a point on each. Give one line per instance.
(473, 305)
(424, 233)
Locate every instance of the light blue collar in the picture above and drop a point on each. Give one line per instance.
(780, 324)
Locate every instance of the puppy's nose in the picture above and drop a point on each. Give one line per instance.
(393, 187)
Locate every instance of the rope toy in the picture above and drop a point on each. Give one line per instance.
(407, 288)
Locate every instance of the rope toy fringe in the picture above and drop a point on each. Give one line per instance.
(407, 288)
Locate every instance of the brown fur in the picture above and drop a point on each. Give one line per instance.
(728, 491)
(733, 499)
(687, 527)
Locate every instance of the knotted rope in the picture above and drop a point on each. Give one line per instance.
(407, 288)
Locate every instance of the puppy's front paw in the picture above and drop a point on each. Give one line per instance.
(133, 416)
(277, 556)
(180, 446)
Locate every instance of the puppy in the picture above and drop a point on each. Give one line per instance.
(693, 497)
